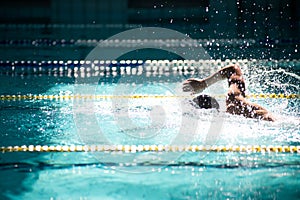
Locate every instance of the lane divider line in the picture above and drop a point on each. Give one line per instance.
(96, 97)
(151, 148)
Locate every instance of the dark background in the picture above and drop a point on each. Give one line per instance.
(35, 29)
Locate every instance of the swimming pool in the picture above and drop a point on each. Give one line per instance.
(51, 103)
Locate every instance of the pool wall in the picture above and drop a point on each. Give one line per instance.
(54, 29)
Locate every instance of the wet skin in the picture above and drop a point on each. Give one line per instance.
(236, 103)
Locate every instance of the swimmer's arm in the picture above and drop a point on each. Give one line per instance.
(228, 72)
(265, 115)
(260, 111)
(198, 85)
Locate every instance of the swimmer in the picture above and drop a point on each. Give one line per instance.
(236, 102)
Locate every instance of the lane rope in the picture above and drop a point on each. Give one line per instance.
(97, 97)
(133, 42)
(149, 65)
(151, 148)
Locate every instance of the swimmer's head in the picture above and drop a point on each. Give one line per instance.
(206, 102)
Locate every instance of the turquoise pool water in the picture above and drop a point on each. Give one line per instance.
(145, 121)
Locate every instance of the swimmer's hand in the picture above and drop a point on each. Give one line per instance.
(265, 115)
(194, 85)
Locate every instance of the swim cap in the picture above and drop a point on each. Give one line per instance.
(205, 101)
